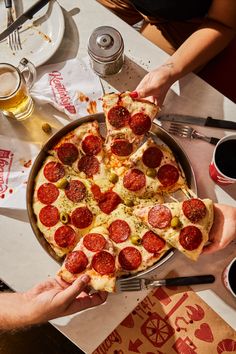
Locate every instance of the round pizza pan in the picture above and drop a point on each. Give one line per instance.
(157, 133)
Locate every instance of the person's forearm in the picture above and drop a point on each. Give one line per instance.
(13, 312)
(199, 48)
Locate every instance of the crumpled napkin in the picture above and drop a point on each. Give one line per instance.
(71, 87)
(16, 158)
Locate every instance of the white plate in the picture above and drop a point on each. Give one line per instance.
(40, 37)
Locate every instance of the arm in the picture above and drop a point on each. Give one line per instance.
(223, 231)
(212, 37)
(50, 299)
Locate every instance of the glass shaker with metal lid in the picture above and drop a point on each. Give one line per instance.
(106, 50)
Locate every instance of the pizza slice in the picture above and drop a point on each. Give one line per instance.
(63, 205)
(93, 255)
(127, 121)
(135, 187)
(136, 247)
(81, 150)
(158, 162)
(184, 225)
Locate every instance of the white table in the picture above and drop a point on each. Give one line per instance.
(24, 263)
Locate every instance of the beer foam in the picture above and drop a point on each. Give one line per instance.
(9, 81)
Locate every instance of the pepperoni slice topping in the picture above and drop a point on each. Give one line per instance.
(194, 209)
(67, 153)
(49, 215)
(76, 262)
(81, 217)
(75, 191)
(94, 242)
(118, 116)
(190, 238)
(89, 165)
(91, 145)
(168, 175)
(134, 180)
(97, 194)
(47, 193)
(152, 242)
(152, 157)
(65, 236)
(130, 258)
(53, 171)
(121, 147)
(140, 123)
(159, 216)
(119, 231)
(108, 201)
(104, 263)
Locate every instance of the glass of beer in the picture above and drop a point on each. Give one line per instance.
(15, 83)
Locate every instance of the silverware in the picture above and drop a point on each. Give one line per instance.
(27, 15)
(186, 131)
(206, 122)
(14, 37)
(137, 284)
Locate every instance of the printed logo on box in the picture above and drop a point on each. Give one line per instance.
(6, 158)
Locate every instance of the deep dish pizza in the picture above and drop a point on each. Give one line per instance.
(99, 202)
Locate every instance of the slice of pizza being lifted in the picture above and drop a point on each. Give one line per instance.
(184, 225)
(93, 255)
(127, 121)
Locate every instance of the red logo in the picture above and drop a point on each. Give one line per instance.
(59, 91)
(5, 166)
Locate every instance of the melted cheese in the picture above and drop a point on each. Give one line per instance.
(168, 158)
(171, 235)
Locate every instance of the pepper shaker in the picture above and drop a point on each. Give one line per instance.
(106, 50)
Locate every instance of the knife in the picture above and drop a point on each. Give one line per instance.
(207, 122)
(27, 15)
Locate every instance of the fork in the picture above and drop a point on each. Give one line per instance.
(137, 284)
(14, 37)
(186, 131)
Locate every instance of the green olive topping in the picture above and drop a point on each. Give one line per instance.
(64, 217)
(113, 178)
(175, 222)
(151, 172)
(129, 202)
(136, 240)
(46, 128)
(62, 183)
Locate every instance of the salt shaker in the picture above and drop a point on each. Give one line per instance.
(106, 50)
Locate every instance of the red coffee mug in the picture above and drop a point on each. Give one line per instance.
(222, 168)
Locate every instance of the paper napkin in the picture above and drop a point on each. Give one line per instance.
(71, 87)
(16, 158)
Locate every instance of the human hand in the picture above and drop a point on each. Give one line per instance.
(223, 230)
(155, 84)
(55, 298)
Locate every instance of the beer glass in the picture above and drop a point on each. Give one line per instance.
(15, 83)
